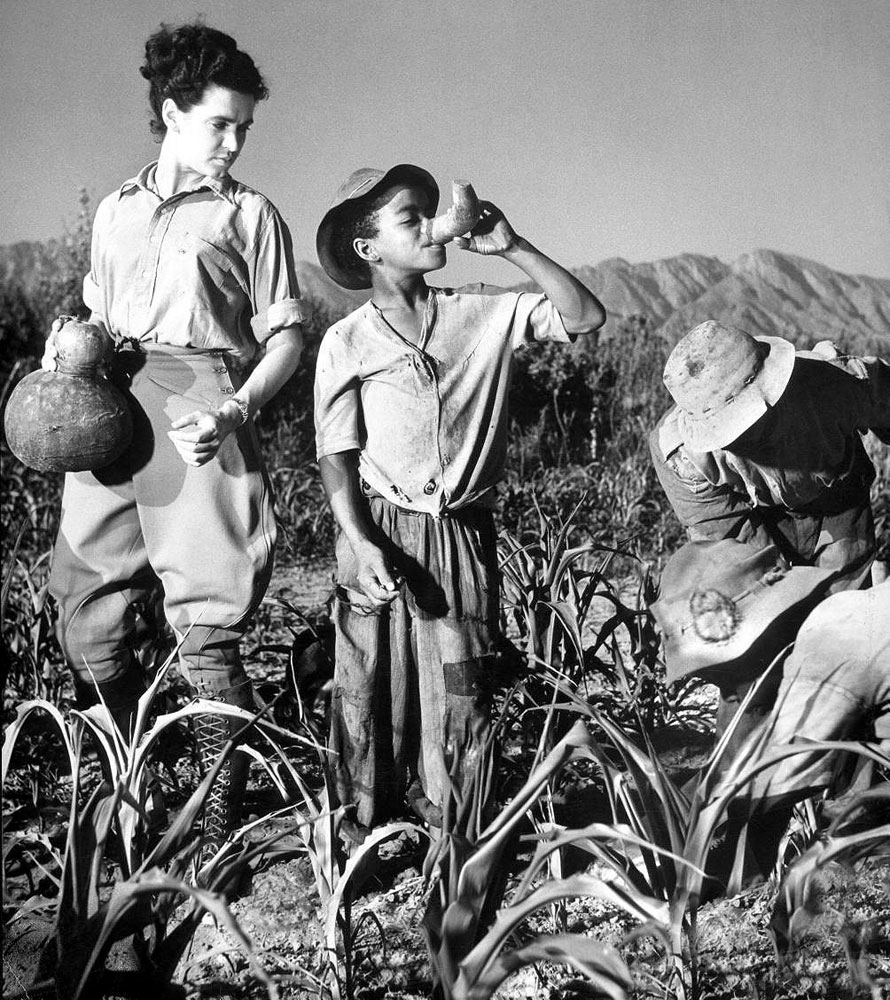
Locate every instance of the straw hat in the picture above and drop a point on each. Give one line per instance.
(718, 599)
(363, 183)
(723, 381)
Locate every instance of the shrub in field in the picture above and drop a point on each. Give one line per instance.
(286, 430)
(797, 901)
(118, 823)
(610, 658)
(30, 653)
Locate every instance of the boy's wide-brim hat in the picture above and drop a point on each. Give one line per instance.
(723, 380)
(717, 599)
(363, 183)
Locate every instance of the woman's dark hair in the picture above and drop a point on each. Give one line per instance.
(180, 63)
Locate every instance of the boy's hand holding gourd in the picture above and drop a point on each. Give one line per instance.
(491, 235)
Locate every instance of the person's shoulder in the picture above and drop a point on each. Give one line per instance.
(250, 200)
(107, 208)
(825, 364)
(665, 438)
(348, 329)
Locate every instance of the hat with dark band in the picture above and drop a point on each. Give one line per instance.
(723, 380)
(360, 184)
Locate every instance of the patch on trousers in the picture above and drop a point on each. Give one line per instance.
(464, 678)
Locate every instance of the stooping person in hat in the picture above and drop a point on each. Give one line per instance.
(411, 425)
(764, 445)
(728, 613)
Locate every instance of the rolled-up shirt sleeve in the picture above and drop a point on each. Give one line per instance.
(537, 320)
(274, 291)
(706, 511)
(93, 292)
(337, 401)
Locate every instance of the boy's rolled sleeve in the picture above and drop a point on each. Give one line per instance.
(337, 400)
(536, 319)
(274, 291)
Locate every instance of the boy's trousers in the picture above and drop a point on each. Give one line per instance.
(207, 534)
(412, 679)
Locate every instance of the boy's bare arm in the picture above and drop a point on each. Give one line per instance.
(580, 309)
(339, 476)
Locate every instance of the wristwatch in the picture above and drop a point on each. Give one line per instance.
(242, 406)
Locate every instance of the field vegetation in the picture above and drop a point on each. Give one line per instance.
(572, 866)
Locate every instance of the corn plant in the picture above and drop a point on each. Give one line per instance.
(797, 901)
(469, 920)
(153, 878)
(338, 873)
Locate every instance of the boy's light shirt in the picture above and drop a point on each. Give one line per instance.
(211, 267)
(429, 420)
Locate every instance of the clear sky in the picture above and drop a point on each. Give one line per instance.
(604, 128)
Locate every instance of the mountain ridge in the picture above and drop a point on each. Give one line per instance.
(766, 292)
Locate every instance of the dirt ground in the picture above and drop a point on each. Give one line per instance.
(280, 914)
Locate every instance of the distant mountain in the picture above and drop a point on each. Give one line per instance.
(764, 292)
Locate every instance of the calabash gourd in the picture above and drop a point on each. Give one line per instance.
(73, 419)
(459, 219)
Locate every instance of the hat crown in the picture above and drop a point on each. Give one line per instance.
(358, 182)
(711, 366)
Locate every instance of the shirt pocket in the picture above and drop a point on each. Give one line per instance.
(211, 264)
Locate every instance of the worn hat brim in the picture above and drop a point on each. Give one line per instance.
(725, 423)
(707, 586)
(360, 185)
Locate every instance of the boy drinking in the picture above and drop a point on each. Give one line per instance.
(411, 426)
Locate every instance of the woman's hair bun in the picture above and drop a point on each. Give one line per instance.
(182, 61)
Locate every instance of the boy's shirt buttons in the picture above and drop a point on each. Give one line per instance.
(430, 488)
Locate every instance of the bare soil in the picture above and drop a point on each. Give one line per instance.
(281, 916)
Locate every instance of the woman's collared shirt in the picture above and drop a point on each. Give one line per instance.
(210, 268)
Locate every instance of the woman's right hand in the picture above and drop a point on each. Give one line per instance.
(50, 360)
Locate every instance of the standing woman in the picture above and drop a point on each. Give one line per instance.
(192, 276)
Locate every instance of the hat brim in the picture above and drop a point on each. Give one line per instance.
(722, 426)
(687, 653)
(332, 218)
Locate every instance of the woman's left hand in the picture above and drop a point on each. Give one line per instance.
(198, 436)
